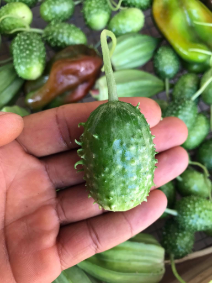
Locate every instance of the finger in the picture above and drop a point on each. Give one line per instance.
(170, 132)
(81, 240)
(170, 165)
(55, 130)
(11, 126)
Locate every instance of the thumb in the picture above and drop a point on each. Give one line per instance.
(11, 125)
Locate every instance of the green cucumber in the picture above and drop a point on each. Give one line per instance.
(59, 10)
(170, 192)
(127, 21)
(194, 183)
(30, 3)
(96, 13)
(119, 167)
(133, 50)
(14, 16)
(61, 35)
(207, 93)
(198, 132)
(16, 109)
(140, 4)
(204, 154)
(29, 55)
(177, 241)
(130, 83)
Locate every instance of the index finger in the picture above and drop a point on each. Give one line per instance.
(55, 130)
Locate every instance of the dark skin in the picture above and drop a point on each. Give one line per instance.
(43, 231)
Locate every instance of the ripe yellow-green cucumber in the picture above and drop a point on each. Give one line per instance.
(118, 153)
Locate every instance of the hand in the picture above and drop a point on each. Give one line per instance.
(44, 231)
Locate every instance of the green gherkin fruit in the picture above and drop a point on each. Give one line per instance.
(198, 132)
(194, 183)
(186, 86)
(194, 213)
(59, 10)
(204, 154)
(170, 192)
(177, 241)
(140, 4)
(96, 13)
(184, 109)
(118, 153)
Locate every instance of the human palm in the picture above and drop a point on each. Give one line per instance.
(47, 221)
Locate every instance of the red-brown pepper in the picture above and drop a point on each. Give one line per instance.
(73, 70)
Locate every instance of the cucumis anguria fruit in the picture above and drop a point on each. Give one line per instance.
(117, 150)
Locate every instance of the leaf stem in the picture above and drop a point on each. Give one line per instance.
(200, 91)
(167, 88)
(171, 211)
(116, 6)
(111, 84)
(36, 30)
(6, 61)
(174, 270)
(203, 24)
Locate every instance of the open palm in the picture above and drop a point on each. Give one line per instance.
(47, 221)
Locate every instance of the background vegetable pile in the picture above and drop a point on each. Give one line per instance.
(144, 65)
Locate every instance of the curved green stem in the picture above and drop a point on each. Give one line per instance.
(203, 24)
(174, 270)
(167, 88)
(200, 51)
(116, 6)
(36, 30)
(6, 61)
(171, 211)
(14, 17)
(111, 84)
(201, 89)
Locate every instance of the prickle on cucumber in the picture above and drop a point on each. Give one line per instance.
(118, 153)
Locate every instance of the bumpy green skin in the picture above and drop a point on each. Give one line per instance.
(126, 21)
(170, 192)
(193, 183)
(184, 109)
(29, 55)
(59, 10)
(19, 10)
(177, 241)
(207, 93)
(186, 86)
(198, 132)
(194, 213)
(204, 154)
(140, 4)
(118, 156)
(61, 35)
(163, 105)
(166, 62)
(96, 13)
(30, 3)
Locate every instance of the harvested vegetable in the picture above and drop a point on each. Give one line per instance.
(204, 154)
(127, 21)
(129, 83)
(140, 259)
(170, 192)
(29, 55)
(14, 16)
(198, 132)
(58, 10)
(66, 67)
(30, 3)
(140, 4)
(96, 13)
(16, 109)
(133, 50)
(119, 168)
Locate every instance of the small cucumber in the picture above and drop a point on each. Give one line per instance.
(204, 154)
(59, 10)
(29, 55)
(193, 183)
(177, 241)
(17, 15)
(140, 4)
(61, 35)
(198, 132)
(186, 86)
(184, 109)
(96, 13)
(127, 21)
(166, 62)
(170, 192)
(30, 3)
(207, 93)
